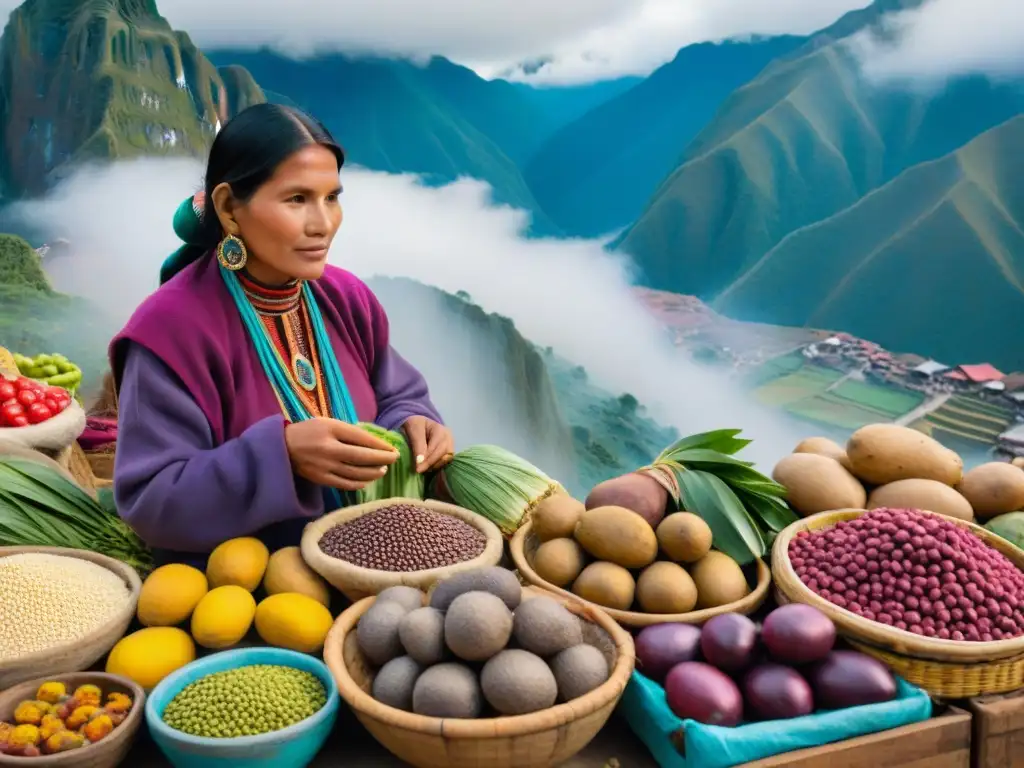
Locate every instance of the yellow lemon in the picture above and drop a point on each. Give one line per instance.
(170, 594)
(223, 617)
(238, 561)
(294, 621)
(151, 654)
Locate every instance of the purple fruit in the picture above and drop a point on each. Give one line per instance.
(798, 634)
(698, 691)
(660, 647)
(728, 642)
(775, 692)
(850, 679)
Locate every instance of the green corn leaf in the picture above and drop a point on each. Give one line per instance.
(703, 458)
(401, 481)
(732, 530)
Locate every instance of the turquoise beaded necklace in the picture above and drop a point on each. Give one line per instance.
(342, 407)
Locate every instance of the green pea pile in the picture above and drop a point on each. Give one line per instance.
(246, 701)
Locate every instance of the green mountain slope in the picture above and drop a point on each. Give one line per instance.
(802, 141)
(595, 175)
(103, 79)
(391, 116)
(889, 267)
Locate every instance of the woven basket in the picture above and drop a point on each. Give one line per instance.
(82, 653)
(546, 738)
(524, 544)
(110, 751)
(947, 669)
(356, 582)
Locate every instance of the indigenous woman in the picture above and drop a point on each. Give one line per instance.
(242, 379)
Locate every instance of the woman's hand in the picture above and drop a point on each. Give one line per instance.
(432, 444)
(332, 453)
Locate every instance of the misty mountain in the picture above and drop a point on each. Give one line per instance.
(102, 80)
(805, 139)
(596, 173)
(442, 120)
(942, 241)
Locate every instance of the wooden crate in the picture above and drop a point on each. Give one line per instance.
(941, 742)
(998, 740)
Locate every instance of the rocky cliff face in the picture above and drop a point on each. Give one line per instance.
(84, 80)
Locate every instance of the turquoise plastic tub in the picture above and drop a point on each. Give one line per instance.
(291, 747)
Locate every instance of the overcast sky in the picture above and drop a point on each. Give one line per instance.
(585, 40)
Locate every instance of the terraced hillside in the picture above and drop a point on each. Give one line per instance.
(827, 397)
(967, 419)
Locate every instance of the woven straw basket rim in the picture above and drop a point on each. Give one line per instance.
(873, 633)
(128, 575)
(336, 571)
(110, 750)
(484, 728)
(745, 605)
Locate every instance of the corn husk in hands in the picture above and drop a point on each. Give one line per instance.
(401, 481)
(496, 484)
(744, 509)
(40, 507)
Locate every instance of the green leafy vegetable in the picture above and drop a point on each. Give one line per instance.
(40, 507)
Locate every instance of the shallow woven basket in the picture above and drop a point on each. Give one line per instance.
(82, 653)
(524, 544)
(108, 752)
(541, 739)
(948, 669)
(356, 582)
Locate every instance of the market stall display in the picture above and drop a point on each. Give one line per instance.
(96, 596)
(615, 560)
(939, 605)
(405, 666)
(92, 714)
(727, 693)
(378, 550)
(245, 708)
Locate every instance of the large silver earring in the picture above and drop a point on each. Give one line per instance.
(232, 253)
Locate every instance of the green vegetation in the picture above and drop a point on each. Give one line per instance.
(20, 266)
(881, 280)
(825, 397)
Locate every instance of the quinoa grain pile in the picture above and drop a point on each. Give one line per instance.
(48, 600)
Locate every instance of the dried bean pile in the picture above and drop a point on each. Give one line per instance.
(404, 537)
(916, 572)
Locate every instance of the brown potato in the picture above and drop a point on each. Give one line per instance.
(824, 447)
(929, 495)
(816, 483)
(885, 453)
(994, 489)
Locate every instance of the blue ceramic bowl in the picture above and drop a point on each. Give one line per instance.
(291, 747)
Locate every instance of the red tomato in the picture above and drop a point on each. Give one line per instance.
(23, 382)
(50, 403)
(7, 390)
(11, 411)
(19, 421)
(27, 396)
(38, 413)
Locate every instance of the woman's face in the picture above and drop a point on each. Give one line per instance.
(288, 225)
